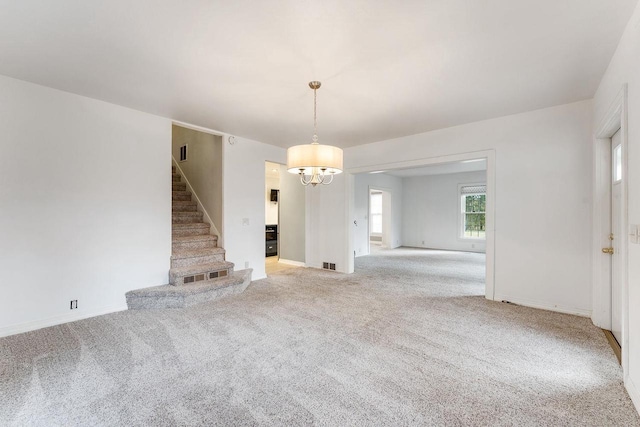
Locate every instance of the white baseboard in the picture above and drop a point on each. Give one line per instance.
(634, 394)
(544, 306)
(57, 320)
(289, 262)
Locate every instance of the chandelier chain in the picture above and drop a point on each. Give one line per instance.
(315, 121)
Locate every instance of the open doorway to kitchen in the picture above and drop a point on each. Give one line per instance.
(284, 219)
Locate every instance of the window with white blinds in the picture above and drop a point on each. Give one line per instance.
(473, 201)
(473, 189)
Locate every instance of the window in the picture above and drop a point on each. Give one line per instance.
(472, 211)
(183, 153)
(376, 213)
(617, 163)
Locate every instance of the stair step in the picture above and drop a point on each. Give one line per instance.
(184, 206)
(186, 258)
(179, 186)
(167, 296)
(186, 217)
(189, 229)
(176, 177)
(193, 274)
(201, 241)
(180, 195)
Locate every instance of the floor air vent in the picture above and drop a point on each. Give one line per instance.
(328, 266)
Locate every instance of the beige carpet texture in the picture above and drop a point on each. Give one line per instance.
(407, 340)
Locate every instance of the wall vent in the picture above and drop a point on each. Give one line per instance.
(188, 279)
(325, 265)
(199, 277)
(332, 266)
(183, 153)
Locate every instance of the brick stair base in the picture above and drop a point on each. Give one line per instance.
(167, 296)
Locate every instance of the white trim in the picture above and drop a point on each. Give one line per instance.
(290, 262)
(199, 128)
(614, 119)
(633, 391)
(57, 320)
(214, 231)
(452, 158)
(544, 306)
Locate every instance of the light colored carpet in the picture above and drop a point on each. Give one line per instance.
(406, 340)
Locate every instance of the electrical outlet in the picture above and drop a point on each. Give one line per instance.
(74, 304)
(332, 266)
(246, 264)
(325, 265)
(423, 243)
(245, 221)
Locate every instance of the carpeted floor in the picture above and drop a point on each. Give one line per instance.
(406, 340)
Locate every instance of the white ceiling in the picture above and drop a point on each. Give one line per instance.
(440, 169)
(389, 68)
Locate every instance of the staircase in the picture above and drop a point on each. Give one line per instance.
(199, 271)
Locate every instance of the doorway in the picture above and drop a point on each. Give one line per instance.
(423, 217)
(416, 211)
(284, 219)
(616, 234)
(610, 219)
(379, 219)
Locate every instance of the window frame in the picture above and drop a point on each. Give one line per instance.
(461, 215)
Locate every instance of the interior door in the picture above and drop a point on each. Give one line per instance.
(616, 237)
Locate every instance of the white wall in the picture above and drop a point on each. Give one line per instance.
(625, 68)
(244, 201)
(85, 205)
(362, 184)
(329, 225)
(543, 178)
(270, 208)
(203, 168)
(431, 211)
(292, 217)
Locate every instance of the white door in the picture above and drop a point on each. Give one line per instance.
(616, 237)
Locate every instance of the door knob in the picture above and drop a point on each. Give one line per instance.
(607, 251)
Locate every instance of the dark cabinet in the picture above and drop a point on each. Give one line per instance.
(271, 238)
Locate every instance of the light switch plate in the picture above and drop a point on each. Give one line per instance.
(245, 221)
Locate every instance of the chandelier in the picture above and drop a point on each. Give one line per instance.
(315, 163)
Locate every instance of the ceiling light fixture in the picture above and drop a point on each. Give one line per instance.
(315, 163)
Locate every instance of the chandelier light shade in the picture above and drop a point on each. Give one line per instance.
(315, 163)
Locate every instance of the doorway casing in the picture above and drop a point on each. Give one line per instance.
(490, 156)
(615, 119)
